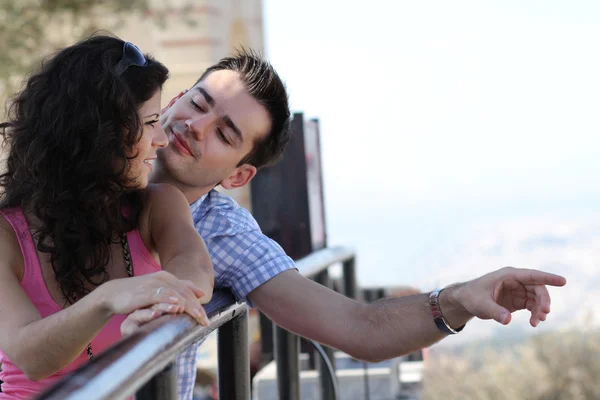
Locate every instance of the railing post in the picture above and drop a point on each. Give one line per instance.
(287, 346)
(162, 386)
(327, 391)
(234, 359)
(349, 271)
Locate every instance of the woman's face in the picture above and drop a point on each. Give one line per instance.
(153, 137)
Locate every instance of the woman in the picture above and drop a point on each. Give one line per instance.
(81, 231)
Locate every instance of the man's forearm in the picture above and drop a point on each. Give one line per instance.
(395, 326)
(381, 330)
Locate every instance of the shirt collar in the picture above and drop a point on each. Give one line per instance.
(195, 206)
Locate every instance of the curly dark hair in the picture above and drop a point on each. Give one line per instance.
(70, 132)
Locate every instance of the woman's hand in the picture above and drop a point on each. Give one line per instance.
(160, 289)
(142, 316)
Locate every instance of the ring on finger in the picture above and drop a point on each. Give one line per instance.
(158, 290)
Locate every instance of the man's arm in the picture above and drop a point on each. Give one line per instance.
(391, 327)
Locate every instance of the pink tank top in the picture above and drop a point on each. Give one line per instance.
(16, 385)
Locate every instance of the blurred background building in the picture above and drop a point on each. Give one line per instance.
(207, 31)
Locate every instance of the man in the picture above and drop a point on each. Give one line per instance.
(234, 120)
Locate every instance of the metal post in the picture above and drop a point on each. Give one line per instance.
(395, 377)
(163, 386)
(349, 269)
(280, 205)
(325, 380)
(234, 359)
(266, 339)
(287, 346)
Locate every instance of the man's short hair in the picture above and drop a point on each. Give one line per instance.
(263, 83)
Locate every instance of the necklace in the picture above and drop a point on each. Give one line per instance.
(129, 265)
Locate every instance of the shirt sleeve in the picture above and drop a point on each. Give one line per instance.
(251, 259)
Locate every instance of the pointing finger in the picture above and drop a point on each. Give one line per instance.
(535, 277)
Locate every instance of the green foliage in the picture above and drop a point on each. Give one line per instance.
(32, 29)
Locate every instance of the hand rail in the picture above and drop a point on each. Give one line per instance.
(125, 367)
(144, 361)
(320, 260)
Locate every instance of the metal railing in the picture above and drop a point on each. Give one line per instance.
(287, 347)
(143, 364)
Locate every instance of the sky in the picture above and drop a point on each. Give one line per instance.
(439, 116)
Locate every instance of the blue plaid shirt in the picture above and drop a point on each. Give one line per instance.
(243, 259)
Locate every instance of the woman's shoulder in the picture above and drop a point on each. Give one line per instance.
(161, 192)
(163, 198)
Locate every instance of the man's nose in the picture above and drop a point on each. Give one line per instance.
(201, 125)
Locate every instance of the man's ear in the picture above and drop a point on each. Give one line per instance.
(240, 176)
(173, 100)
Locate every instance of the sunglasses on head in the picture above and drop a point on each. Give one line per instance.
(131, 56)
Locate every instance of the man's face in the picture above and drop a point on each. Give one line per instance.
(211, 128)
